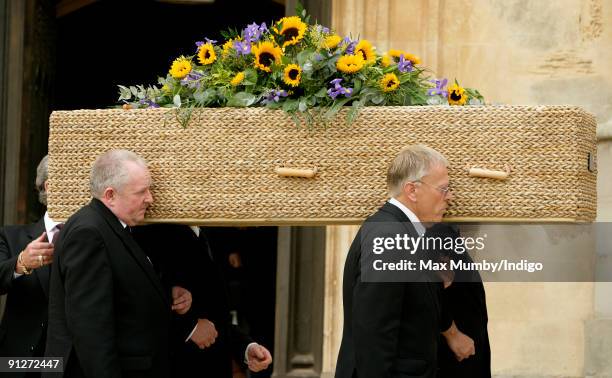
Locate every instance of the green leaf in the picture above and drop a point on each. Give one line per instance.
(177, 101)
(321, 92)
(242, 99)
(302, 105)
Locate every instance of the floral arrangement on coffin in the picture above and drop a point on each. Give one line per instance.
(299, 68)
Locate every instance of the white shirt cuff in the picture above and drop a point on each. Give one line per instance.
(246, 353)
(191, 334)
(16, 275)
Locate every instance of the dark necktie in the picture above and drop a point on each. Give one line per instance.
(59, 228)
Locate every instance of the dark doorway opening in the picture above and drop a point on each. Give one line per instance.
(114, 42)
(247, 256)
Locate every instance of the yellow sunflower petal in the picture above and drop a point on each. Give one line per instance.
(265, 55)
(365, 48)
(292, 30)
(206, 54)
(180, 67)
(350, 63)
(389, 82)
(292, 75)
(237, 79)
(456, 95)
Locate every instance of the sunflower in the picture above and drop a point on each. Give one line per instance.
(365, 48)
(237, 79)
(266, 54)
(456, 95)
(332, 41)
(180, 67)
(228, 45)
(386, 60)
(389, 82)
(413, 58)
(395, 54)
(293, 75)
(206, 54)
(350, 63)
(292, 30)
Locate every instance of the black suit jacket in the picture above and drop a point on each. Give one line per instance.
(390, 328)
(24, 325)
(109, 315)
(186, 260)
(464, 302)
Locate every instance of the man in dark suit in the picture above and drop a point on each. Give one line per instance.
(109, 315)
(464, 349)
(25, 255)
(391, 328)
(204, 340)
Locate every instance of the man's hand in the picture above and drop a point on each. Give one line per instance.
(258, 357)
(36, 254)
(460, 343)
(181, 300)
(205, 334)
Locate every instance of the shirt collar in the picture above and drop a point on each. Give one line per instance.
(49, 223)
(122, 223)
(418, 226)
(196, 230)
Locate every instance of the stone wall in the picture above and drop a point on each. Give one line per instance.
(515, 52)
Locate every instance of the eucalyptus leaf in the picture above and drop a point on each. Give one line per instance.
(242, 99)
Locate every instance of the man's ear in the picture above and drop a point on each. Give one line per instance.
(109, 194)
(46, 185)
(409, 190)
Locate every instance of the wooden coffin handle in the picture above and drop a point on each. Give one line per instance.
(293, 172)
(488, 173)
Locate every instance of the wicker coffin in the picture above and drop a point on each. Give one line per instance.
(221, 168)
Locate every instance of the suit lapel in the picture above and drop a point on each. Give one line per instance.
(132, 247)
(42, 273)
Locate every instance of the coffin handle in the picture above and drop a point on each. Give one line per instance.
(488, 173)
(293, 172)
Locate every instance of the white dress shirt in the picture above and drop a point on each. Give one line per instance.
(50, 229)
(418, 226)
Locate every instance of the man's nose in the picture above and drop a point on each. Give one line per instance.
(149, 197)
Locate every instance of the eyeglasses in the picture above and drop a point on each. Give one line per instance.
(444, 190)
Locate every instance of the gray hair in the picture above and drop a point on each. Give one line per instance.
(410, 165)
(42, 175)
(110, 170)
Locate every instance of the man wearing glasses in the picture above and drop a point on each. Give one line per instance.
(391, 328)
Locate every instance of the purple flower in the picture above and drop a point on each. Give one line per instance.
(242, 47)
(338, 89)
(192, 80)
(253, 32)
(149, 103)
(274, 96)
(322, 29)
(350, 45)
(200, 43)
(439, 89)
(404, 65)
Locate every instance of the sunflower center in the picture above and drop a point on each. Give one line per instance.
(266, 59)
(207, 54)
(291, 33)
(455, 96)
(293, 74)
(363, 54)
(390, 83)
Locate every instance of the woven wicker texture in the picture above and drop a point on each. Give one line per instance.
(220, 169)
